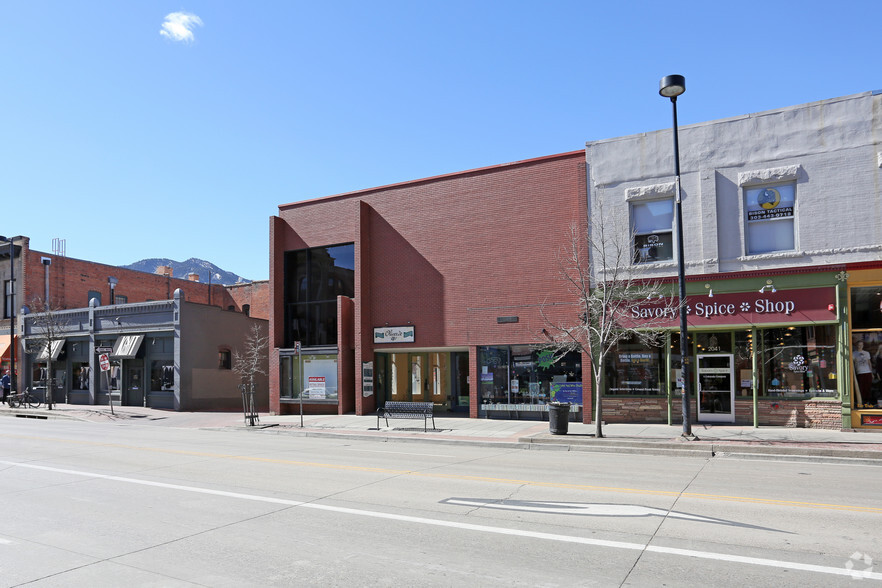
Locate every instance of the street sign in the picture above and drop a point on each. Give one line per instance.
(103, 349)
(104, 361)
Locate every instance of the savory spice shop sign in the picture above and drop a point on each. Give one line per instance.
(784, 306)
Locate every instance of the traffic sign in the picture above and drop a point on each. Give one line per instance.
(103, 349)
(104, 361)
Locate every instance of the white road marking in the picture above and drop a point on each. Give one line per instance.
(579, 508)
(843, 571)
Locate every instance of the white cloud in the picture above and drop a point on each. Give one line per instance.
(178, 26)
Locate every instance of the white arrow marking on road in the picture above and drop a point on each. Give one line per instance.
(579, 508)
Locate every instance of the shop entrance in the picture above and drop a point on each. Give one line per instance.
(438, 377)
(716, 388)
(134, 384)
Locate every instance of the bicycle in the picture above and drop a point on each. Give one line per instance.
(24, 398)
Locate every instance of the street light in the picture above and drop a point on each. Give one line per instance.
(11, 241)
(671, 87)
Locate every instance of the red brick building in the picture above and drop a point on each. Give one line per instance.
(428, 290)
(72, 283)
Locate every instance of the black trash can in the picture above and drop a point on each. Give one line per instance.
(558, 418)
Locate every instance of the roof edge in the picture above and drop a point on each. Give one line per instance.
(478, 170)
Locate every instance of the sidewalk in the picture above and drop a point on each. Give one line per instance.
(712, 440)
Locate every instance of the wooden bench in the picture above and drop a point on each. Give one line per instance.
(395, 409)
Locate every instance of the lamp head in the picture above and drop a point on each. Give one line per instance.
(672, 86)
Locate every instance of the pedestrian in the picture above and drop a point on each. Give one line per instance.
(6, 384)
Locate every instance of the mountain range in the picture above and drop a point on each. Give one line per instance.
(180, 269)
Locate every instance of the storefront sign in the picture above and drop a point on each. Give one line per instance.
(394, 334)
(783, 306)
(567, 392)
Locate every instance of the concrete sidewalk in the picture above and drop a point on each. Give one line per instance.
(712, 440)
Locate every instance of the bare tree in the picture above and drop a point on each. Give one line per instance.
(599, 270)
(248, 364)
(48, 330)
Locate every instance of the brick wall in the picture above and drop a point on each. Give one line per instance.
(812, 413)
(255, 294)
(448, 254)
(70, 281)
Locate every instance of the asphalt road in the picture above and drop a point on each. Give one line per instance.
(86, 504)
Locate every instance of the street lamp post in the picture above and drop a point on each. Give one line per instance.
(13, 377)
(671, 87)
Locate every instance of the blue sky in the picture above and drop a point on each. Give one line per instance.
(130, 140)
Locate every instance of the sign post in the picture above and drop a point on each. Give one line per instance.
(300, 395)
(104, 362)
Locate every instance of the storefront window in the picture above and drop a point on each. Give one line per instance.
(81, 376)
(866, 345)
(635, 368)
(520, 374)
(313, 376)
(798, 362)
(162, 375)
(743, 363)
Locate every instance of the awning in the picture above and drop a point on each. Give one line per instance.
(4, 346)
(127, 346)
(56, 345)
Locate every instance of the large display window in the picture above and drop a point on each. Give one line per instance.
(798, 362)
(520, 374)
(866, 346)
(313, 280)
(314, 377)
(635, 368)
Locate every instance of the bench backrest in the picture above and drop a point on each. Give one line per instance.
(397, 405)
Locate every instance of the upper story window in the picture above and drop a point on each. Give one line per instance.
(313, 280)
(770, 212)
(8, 299)
(94, 294)
(652, 222)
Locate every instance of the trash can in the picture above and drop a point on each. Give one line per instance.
(558, 417)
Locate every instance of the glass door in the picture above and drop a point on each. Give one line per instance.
(134, 385)
(716, 388)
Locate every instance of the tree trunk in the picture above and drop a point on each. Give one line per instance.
(598, 400)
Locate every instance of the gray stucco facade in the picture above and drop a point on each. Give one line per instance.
(169, 354)
(781, 209)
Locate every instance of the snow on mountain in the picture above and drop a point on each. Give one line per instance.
(180, 269)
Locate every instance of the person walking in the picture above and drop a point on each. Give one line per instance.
(6, 384)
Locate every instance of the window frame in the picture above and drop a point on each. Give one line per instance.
(638, 259)
(768, 222)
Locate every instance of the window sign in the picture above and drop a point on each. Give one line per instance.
(653, 230)
(770, 213)
(367, 379)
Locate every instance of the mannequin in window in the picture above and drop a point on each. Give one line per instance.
(863, 369)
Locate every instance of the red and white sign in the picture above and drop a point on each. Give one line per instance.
(808, 305)
(104, 362)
